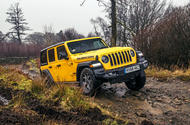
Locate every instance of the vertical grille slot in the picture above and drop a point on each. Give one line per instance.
(118, 61)
(121, 58)
(113, 56)
(111, 61)
(129, 56)
(124, 57)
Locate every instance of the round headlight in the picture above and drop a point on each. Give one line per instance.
(105, 59)
(132, 53)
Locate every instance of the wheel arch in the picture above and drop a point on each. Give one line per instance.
(46, 73)
(83, 65)
(80, 67)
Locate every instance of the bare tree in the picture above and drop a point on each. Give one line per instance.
(113, 20)
(71, 34)
(143, 13)
(16, 18)
(60, 36)
(114, 23)
(49, 35)
(133, 16)
(167, 42)
(1, 36)
(102, 28)
(35, 38)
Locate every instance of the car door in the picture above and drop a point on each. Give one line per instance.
(52, 67)
(65, 65)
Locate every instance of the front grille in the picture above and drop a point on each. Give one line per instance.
(119, 58)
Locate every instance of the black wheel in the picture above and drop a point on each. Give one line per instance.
(138, 83)
(88, 81)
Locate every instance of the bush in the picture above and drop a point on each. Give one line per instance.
(167, 42)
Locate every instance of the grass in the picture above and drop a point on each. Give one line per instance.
(13, 76)
(69, 97)
(164, 74)
(60, 96)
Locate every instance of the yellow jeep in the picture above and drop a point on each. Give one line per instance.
(91, 62)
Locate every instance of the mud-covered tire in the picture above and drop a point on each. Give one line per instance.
(138, 83)
(88, 82)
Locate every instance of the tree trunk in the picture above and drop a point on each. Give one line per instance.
(114, 25)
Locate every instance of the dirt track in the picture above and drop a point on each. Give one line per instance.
(162, 102)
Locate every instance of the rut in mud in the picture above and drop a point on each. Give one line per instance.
(162, 102)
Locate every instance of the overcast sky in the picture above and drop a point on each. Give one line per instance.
(61, 14)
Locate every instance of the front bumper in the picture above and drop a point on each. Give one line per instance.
(118, 75)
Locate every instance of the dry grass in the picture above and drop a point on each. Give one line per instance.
(69, 97)
(161, 73)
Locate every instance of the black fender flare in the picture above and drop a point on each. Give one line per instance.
(46, 73)
(83, 65)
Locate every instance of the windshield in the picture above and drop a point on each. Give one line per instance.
(86, 45)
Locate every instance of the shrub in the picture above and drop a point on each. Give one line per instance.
(166, 43)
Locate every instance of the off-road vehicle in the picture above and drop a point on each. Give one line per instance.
(91, 62)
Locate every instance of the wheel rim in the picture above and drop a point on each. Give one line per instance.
(87, 82)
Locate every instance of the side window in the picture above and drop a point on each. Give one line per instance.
(61, 53)
(51, 55)
(43, 58)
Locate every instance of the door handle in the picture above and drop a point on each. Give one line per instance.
(59, 65)
(50, 67)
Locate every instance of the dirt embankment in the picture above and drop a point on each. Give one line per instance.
(36, 112)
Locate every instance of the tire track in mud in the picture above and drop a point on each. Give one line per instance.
(165, 102)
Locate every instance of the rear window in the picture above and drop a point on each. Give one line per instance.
(51, 55)
(43, 58)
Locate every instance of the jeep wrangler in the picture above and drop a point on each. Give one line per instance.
(91, 62)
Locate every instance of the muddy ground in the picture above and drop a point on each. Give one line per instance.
(161, 101)
(35, 112)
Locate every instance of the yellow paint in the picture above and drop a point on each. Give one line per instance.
(67, 71)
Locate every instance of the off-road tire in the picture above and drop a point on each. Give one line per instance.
(138, 83)
(88, 82)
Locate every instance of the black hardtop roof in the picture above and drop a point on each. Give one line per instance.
(52, 46)
(66, 41)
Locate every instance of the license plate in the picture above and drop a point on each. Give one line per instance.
(132, 69)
